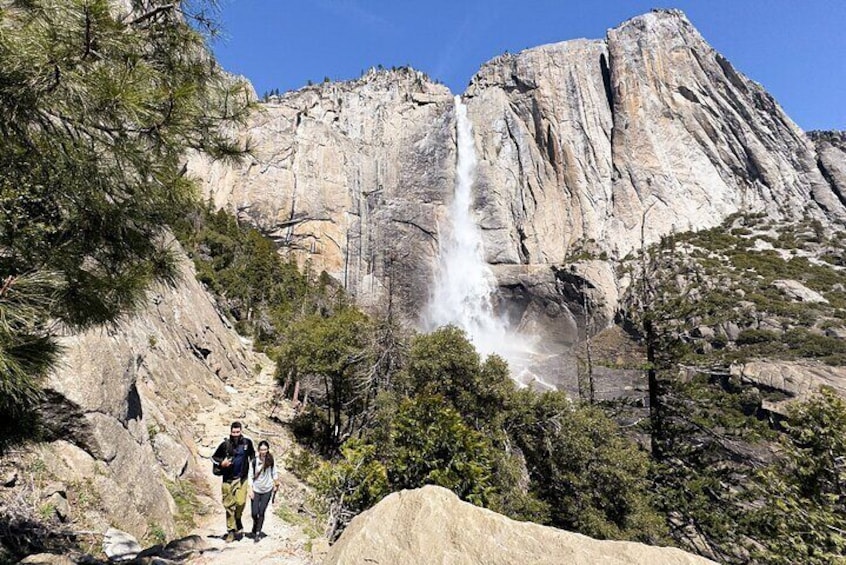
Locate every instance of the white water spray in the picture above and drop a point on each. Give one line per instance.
(464, 283)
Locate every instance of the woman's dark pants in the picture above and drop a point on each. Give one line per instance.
(259, 507)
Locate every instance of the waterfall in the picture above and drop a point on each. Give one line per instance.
(464, 283)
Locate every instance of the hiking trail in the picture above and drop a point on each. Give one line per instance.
(255, 403)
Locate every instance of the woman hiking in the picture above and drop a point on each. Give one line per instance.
(264, 482)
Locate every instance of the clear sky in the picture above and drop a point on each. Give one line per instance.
(795, 48)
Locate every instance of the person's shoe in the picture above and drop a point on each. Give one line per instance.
(230, 536)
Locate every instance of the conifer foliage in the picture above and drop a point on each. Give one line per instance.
(98, 105)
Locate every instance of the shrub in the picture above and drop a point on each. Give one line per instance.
(754, 336)
(353, 484)
(798, 513)
(594, 480)
(431, 444)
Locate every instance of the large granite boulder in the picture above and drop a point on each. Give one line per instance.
(431, 525)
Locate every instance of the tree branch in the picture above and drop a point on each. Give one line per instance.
(152, 13)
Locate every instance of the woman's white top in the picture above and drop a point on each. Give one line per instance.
(261, 480)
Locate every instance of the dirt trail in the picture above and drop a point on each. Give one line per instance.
(253, 403)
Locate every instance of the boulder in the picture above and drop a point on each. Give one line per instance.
(120, 546)
(838, 331)
(798, 291)
(172, 455)
(59, 502)
(797, 379)
(46, 559)
(9, 478)
(68, 461)
(431, 525)
(183, 548)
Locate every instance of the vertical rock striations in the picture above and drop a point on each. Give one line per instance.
(587, 150)
(352, 176)
(630, 138)
(694, 140)
(831, 159)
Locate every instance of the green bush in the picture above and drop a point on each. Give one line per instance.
(594, 480)
(351, 485)
(803, 343)
(431, 444)
(798, 513)
(445, 363)
(755, 336)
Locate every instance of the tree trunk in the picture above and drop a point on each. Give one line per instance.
(654, 393)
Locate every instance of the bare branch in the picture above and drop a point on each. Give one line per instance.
(152, 13)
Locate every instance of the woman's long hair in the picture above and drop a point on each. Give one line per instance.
(268, 458)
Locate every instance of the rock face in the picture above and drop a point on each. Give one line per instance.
(798, 380)
(340, 170)
(630, 138)
(121, 407)
(587, 149)
(831, 159)
(431, 525)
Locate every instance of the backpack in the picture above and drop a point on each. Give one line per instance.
(217, 470)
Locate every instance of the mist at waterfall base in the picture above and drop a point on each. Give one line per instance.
(464, 285)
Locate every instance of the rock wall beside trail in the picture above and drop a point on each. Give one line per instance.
(431, 525)
(121, 408)
(587, 149)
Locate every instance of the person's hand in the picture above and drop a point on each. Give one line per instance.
(226, 463)
(252, 494)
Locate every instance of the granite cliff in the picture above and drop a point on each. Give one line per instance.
(588, 149)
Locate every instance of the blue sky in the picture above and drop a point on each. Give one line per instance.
(795, 48)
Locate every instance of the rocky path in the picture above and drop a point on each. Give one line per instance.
(255, 404)
(284, 544)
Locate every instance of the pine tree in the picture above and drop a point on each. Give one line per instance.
(97, 110)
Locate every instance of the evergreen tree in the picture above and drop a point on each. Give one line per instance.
(594, 479)
(336, 351)
(799, 503)
(97, 111)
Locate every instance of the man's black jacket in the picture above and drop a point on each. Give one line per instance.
(231, 449)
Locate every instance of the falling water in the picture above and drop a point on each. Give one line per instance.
(464, 283)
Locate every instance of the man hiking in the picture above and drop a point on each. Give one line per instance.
(234, 457)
